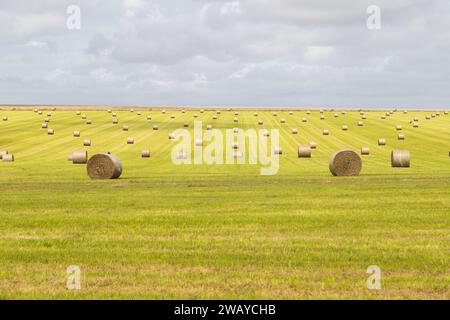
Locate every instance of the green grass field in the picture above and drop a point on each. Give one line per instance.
(164, 231)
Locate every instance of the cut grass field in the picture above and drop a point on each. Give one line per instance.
(164, 231)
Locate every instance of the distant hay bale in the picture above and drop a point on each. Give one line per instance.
(236, 113)
(275, 114)
(109, 111)
(199, 142)
(266, 133)
(401, 136)
(313, 145)
(104, 166)
(155, 127)
(291, 113)
(8, 157)
(235, 145)
(405, 111)
(399, 127)
(47, 120)
(326, 132)
(201, 110)
(88, 122)
(336, 115)
(149, 117)
(130, 140)
(218, 112)
(186, 125)
(125, 128)
(79, 157)
(365, 151)
(172, 136)
(304, 151)
(304, 120)
(360, 123)
(39, 112)
(195, 115)
(255, 114)
(214, 117)
(35, 110)
(44, 125)
(5, 118)
(78, 113)
(415, 125)
(282, 120)
(138, 113)
(322, 117)
(115, 121)
(344, 128)
(277, 151)
(364, 117)
(415, 119)
(131, 110)
(84, 117)
(49, 114)
(400, 159)
(76, 134)
(260, 122)
(114, 114)
(87, 143)
(294, 131)
(236, 120)
(145, 153)
(2, 153)
(345, 163)
(163, 111)
(172, 116)
(50, 132)
(235, 130)
(381, 142)
(209, 127)
(433, 115)
(428, 118)
(383, 117)
(446, 113)
(308, 112)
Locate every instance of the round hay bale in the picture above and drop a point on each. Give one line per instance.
(201, 110)
(145, 153)
(186, 125)
(88, 122)
(275, 114)
(236, 113)
(304, 120)
(87, 143)
(125, 128)
(79, 157)
(8, 157)
(39, 112)
(195, 115)
(235, 120)
(399, 127)
(2, 153)
(47, 120)
(360, 123)
(49, 114)
(277, 151)
(44, 125)
(172, 116)
(209, 127)
(364, 117)
(130, 141)
(365, 151)
(155, 127)
(149, 118)
(381, 142)
(115, 121)
(109, 111)
(336, 115)
(84, 117)
(304, 151)
(345, 163)
(131, 110)
(294, 131)
(214, 117)
(138, 113)
(428, 118)
(114, 114)
(5, 118)
(255, 114)
(401, 136)
(35, 110)
(446, 113)
(171, 136)
(78, 113)
(76, 134)
(326, 132)
(313, 145)
(50, 132)
(415, 119)
(344, 128)
(308, 112)
(104, 166)
(322, 117)
(291, 113)
(415, 125)
(260, 122)
(218, 112)
(282, 120)
(400, 159)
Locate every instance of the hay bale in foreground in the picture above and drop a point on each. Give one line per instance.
(8, 157)
(345, 163)
(365, 151)
(2, 153)
(145, 153)
(104, 166)
(79, 157)
(400, 159)
(304, 152)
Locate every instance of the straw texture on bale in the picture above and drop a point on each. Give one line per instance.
(304, 152)
(145, 153)
(104, 166)
(79, 157)
(365, 151)
(87, 143)
(400, 159)
(76, 134)
(8, 157)
(345, 163)
(381, 142)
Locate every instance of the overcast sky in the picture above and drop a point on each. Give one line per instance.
(237, 53)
